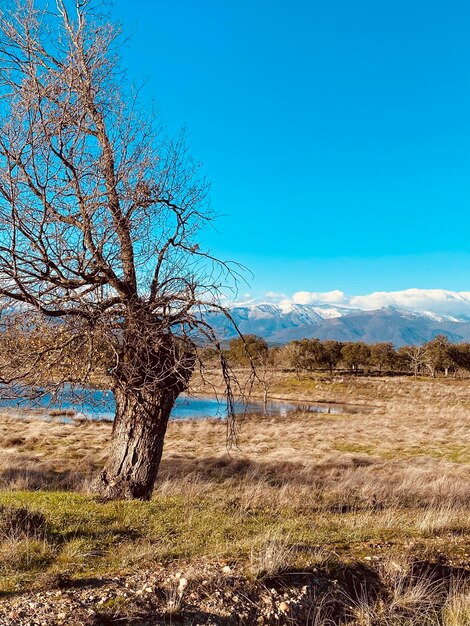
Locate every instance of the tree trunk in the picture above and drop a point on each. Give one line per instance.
(265, 399)
(147, 384)
(137, 445)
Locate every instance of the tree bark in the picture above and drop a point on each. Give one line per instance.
(140, 423)
(136, 446)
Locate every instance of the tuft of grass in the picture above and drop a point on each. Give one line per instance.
(272, 556)
(411, 602)
(456, 610)
(175, 590)
(442, 518)
(25, 555)
(18, 522)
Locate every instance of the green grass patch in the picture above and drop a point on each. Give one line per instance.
(85, 537)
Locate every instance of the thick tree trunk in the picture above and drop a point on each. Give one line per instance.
(152, 373)
(137, 445)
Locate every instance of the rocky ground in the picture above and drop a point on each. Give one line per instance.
(216, 595)
(212, 594)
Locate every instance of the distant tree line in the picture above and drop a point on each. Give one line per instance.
(438, 356)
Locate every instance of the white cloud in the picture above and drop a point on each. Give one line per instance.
(313, 297)
(434, 300)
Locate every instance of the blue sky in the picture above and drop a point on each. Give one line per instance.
(336, 134)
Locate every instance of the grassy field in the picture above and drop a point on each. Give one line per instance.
(360, 517)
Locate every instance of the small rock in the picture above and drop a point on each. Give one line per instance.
(226, 570)
(284, 607)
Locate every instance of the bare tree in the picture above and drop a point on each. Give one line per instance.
(414, 356)
(267, 370)
(100, 214)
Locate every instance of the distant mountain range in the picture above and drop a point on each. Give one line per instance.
(280, 324)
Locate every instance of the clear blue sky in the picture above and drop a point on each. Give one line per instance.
(336, 134)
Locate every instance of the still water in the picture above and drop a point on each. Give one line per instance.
(98, 404)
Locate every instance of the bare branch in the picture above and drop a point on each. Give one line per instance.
(102, 271)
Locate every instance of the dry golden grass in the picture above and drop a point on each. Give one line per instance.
(456, 611)
(408, 446)
(401, 438)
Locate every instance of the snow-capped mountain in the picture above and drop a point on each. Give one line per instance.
(280, 323)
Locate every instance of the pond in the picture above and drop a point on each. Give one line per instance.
(99, 405)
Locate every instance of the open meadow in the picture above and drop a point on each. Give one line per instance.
(360, 517)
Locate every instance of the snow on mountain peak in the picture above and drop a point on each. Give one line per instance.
(283, 322)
